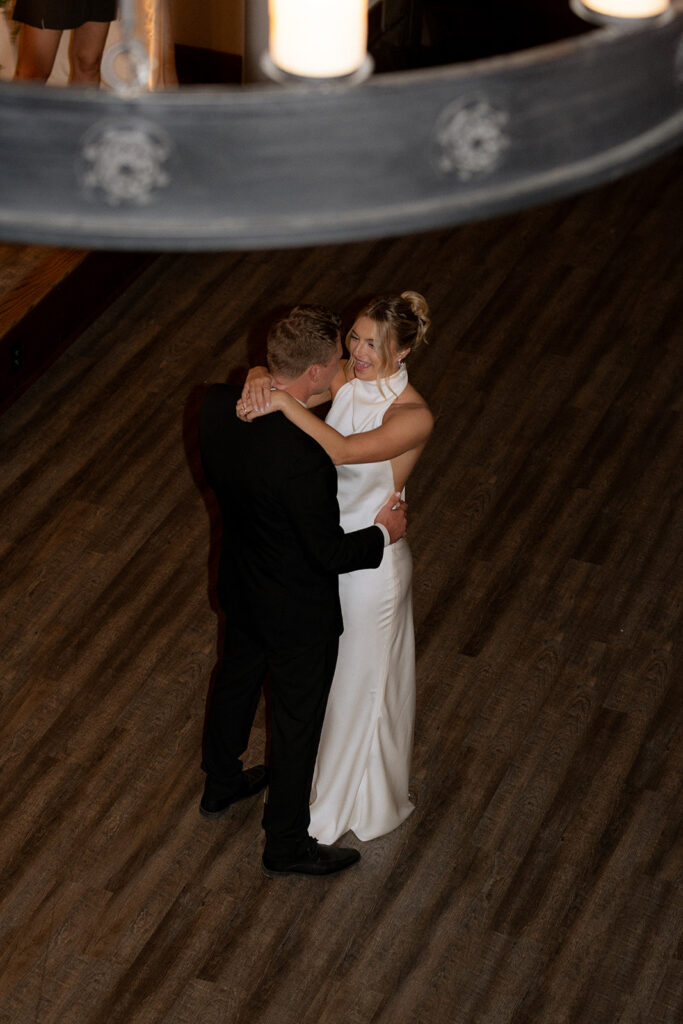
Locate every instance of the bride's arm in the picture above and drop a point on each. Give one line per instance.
(257, 388)
(406, 427)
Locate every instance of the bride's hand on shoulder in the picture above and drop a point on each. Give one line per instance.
(257, 388)
(277, 402)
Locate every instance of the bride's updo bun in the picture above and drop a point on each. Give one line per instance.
(401, 324)
(420, 309)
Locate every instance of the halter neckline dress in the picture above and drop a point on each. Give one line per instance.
(362, 772)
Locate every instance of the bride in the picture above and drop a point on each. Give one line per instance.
(375, 432)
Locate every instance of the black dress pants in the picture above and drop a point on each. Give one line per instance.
(300, 680)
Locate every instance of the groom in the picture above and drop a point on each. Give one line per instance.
(277, 583)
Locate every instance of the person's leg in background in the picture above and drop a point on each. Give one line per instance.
(87, 47)
(37, 52)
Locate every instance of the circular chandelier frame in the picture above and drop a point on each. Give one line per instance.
(309, 163)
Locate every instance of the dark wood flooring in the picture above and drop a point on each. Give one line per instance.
(539, 879)
(47, 298)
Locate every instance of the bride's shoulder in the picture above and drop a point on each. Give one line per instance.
(410, 408)
(409, 399)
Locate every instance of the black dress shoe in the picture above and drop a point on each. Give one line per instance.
(215, 802)
(317, 859)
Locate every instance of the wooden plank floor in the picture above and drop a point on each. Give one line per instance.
(48, 297)
(539, 879)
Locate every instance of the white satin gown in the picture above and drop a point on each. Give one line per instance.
(363, 766)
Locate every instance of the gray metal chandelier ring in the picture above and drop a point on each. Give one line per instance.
(265, 166)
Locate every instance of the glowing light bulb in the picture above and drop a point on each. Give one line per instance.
(627, 8)
(318, 38)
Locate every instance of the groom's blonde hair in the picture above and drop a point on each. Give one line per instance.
(306, 336)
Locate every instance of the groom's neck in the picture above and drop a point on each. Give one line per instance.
(299, 388)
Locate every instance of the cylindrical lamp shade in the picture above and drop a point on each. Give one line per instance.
(318, 38)
(627, 8)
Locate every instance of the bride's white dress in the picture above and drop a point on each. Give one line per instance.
(361, 775)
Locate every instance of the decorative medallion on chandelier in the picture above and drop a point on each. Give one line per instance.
(328, 152)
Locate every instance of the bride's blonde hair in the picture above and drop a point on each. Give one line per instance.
(401, 322)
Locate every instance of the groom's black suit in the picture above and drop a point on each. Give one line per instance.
(282, 550)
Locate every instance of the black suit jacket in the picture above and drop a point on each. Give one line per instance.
(282, 543)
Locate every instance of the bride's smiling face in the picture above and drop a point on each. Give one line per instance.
(361, 342)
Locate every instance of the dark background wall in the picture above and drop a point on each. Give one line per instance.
(422, 33)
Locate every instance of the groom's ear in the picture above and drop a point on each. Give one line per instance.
(313, 372)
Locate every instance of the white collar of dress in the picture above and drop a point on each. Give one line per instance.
(371, 388)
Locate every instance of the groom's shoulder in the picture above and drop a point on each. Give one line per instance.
(290, 451)
(271, 438)
(300, 441)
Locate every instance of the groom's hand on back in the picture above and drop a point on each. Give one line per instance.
(393, 516)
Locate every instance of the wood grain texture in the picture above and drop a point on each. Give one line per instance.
(539, 879)
(47, 298)
(36, 277)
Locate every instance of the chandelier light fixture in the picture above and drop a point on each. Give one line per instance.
(327, 153)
